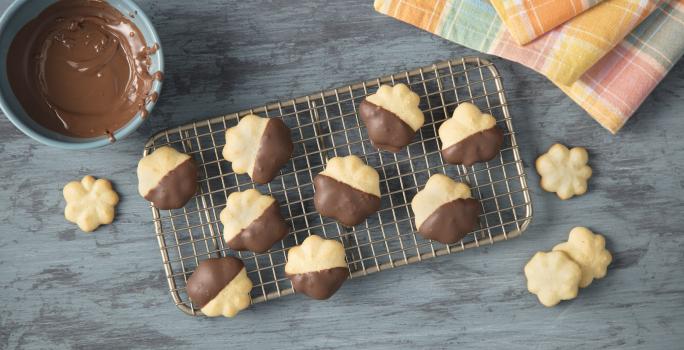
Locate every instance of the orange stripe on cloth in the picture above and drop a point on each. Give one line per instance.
(420, 13)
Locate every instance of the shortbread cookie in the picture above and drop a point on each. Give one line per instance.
(589, 251)
(252, 221)
(220, 286)
(259, 147)
(167, 178)
(552, 277)
(564, 171)
(445, 211)
(392, 116)
(470, 136)
(347, 190)
(317, 267)
(90, 203)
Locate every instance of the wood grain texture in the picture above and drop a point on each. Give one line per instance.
(60, 288)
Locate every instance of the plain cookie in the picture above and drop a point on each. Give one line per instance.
(589, 251)
(470, 136)
(220, 286)
(259, 147)
(392, 116)
(347, 190)
(167, 178)
(564, 171)
(552, 277)
(90, 203)
(317, 267)
(445, 210)
(252, 221)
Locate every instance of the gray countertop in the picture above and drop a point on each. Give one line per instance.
(61, 288)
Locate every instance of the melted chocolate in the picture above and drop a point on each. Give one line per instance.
(176, 187)
(80, 68)
(262, 233)
(385, 129)
(275, 149)
(342, 202)
(451, 221)
(210, 277)
(482, 146)
(319, 284)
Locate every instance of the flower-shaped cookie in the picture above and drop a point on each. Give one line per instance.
(392, 116)
(445, 211)
(564, 171)
(470, 136)
(220, 286)
(317, 267)
(252, 221)
(347, 190)
(90, 203)
(259, 147)
(167, 178)
(553, 277)
(588, 250)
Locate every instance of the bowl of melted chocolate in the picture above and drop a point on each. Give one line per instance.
(78, 74)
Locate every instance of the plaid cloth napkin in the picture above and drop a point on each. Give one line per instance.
(608, 78)
(526, 20)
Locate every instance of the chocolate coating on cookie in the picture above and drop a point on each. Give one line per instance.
(260, 235)
(176, 187)
(451, 221)
(342, 202)
(385, 129)
(321, 284)
(481, 146)
(210, 277)
(275, 149)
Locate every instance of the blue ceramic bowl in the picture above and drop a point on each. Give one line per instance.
(14, 18)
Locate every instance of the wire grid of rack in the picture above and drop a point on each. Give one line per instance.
(327, 124)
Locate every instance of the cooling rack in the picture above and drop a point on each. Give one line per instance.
(325, 125)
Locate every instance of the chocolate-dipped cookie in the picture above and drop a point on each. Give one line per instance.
(392, 117)
(445, 211)
(317, 267)
(259, 147)
(220, 286)
(167, 178)
(470, 136)
(252, 221)
(347, 190)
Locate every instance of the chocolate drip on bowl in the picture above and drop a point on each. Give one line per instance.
(77, 70)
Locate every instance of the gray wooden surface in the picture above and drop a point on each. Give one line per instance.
(61, 288)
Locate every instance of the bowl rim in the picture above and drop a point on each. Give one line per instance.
(118, 134)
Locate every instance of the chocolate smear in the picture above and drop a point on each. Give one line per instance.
(260, 235)
(451, 221)
(210, 277)
(77, 70)
(342, 202)
(275, 149)
(176, 187)
(319, 284)
(385, 129)
(482, 146)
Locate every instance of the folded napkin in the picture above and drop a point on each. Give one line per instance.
(526, 20)
(594, 58)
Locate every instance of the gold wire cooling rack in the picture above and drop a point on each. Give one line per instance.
(324, 125)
